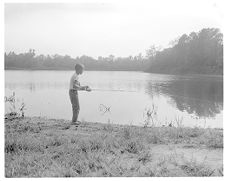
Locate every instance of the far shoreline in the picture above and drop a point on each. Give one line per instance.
(140, 71)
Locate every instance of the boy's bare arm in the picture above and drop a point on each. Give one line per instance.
(78, 87)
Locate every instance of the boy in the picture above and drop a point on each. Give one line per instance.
(73, 92)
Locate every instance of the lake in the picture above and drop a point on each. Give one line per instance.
(121, 97)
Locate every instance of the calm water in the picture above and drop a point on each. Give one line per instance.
(197, 100)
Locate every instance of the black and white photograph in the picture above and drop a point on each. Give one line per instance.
(113, 89)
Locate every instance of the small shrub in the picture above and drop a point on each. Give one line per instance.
(149, 116)
(15, 113)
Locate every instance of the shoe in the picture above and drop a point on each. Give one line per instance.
(76, 123)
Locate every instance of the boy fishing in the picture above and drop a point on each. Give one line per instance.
(73, 92)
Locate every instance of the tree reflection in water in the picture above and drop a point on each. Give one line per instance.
(199, 95)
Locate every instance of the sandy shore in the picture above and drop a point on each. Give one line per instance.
(39, 147)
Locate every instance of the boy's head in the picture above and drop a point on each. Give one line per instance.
(79, 68)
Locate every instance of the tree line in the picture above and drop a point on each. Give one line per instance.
(198, 52)
(31, 61)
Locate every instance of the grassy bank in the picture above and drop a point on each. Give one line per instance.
(39, 147)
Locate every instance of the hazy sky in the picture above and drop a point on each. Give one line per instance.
(114, 27)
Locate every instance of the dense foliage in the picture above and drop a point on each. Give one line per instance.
(200, 52)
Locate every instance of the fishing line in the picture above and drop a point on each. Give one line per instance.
(112, 90)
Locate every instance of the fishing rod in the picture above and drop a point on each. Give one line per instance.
(111, 90)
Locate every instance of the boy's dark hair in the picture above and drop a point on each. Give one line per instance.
(79, 66)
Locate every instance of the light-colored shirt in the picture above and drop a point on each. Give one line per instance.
(74, 81)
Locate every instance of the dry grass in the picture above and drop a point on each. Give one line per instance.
(35, 147)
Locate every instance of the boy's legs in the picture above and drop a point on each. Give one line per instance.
(75, 105)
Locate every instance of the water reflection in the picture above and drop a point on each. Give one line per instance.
(33, 86)
(199, 95)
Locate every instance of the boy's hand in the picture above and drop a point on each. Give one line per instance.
(88, 89)
(84, 87)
